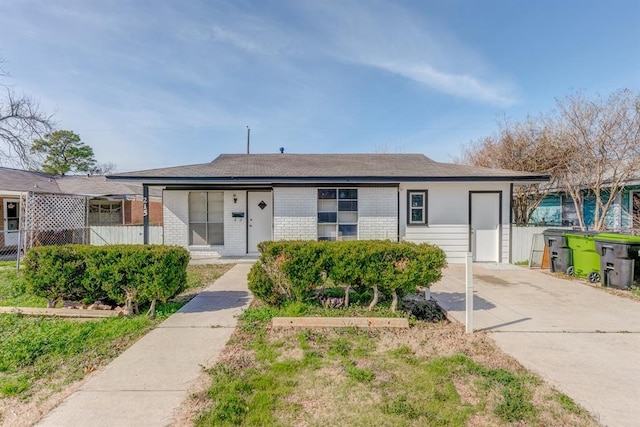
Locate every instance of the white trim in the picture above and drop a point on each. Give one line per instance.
(631, 193)
(411, 208)
(10, 237)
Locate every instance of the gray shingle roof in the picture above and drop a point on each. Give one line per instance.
(21, 180)
(95, 186)
(291, 167)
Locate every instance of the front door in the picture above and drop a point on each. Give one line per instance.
(11, 210)
(485, 219)
(260, 218)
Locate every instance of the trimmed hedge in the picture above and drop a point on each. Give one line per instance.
(126, 274)
(297, 270)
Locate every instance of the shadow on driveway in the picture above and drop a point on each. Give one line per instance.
(208, 301)
(455, 301)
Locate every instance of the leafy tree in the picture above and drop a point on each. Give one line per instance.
(64, 152)
(20, 122)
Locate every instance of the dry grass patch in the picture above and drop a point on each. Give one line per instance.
(431, 374)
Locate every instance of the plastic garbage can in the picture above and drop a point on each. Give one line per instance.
(586, 260)
(619, 259)
(560, 259)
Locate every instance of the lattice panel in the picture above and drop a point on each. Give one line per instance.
(55, 212)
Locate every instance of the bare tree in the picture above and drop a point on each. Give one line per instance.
(605, 133)
(102, 168)
(528, 146)
(21, 121)
(384, 148)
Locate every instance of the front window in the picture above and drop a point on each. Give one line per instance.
(337, 214)
(417, 207)
(206, 218)
(105, 212)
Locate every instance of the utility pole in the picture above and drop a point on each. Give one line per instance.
(248, 138)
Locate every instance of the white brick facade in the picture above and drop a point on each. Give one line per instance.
(176, 224)
(378, 213)
(175, 211)
(235, 229)
(295, 213)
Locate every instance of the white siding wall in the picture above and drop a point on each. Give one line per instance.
(448, 216)
(295, 212)
(175, 211)
(378, 213)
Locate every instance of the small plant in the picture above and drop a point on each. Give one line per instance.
(364, 375)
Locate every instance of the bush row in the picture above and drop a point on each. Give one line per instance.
(297, 270)
(126, 274)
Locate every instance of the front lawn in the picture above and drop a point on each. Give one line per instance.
(430, 374)
(40, 356)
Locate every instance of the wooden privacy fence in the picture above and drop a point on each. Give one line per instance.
(522, 239)
(124, 235)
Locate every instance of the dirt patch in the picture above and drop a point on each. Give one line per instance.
(18, 413)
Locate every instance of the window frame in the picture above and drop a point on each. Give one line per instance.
(337, 224)
(425, 208)
(206, 222)
(105, 209)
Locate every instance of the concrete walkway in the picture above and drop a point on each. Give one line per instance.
(583, 341)
(146, 383)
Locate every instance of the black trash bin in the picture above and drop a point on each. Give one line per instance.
(619, 259)
(560, 256)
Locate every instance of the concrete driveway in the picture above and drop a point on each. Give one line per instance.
(583, 341)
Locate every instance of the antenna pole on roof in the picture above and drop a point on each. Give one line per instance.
(248, 138)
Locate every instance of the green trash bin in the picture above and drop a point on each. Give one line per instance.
(586, 261)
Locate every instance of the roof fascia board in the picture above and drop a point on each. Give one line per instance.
(319, 180)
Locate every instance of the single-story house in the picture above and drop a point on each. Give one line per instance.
(558, 208)
(226, 207)
(38, 201)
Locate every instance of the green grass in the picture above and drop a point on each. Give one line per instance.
(8, 264)
(201, 275)
(13, 291)
(40, 352)
(269, 380)
(54, 352)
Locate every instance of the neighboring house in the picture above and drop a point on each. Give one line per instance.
(559, 209)
(37, 201)
(111, 202)
(228, 206)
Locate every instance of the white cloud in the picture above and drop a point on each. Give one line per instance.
(223, 35)
(385, 36)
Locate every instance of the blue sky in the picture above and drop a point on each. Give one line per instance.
(161, 83)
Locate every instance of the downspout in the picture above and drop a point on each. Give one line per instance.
(511, 223)
(122, 211)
